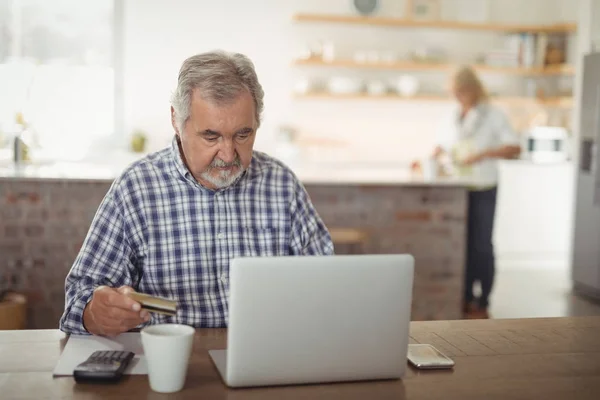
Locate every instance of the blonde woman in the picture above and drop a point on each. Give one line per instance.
(475, 137)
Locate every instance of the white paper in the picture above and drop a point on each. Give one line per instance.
(80, 347)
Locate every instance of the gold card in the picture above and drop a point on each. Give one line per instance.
(155, 304)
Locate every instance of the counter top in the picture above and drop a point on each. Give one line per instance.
(344, 175)
(312, 175)
(60, 171)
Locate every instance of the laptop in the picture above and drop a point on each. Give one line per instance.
(316, 319)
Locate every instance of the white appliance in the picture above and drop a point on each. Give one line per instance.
(586, 235)
(298, 320)
(546, 144)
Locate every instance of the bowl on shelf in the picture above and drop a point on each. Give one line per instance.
(303, 86)
(343, 85)
(389, 57)
(407, 85)
(376, 88)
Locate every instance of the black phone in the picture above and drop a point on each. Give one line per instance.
(103, 366)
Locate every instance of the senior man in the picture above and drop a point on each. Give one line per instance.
(172, 221)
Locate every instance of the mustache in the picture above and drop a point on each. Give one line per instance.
(218, 163)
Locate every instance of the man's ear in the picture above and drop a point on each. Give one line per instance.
(173, 121)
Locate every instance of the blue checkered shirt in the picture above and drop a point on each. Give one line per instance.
(161, 232)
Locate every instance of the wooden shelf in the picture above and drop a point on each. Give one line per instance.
(511, 100)
(418, 66)
(399, 22)
(365, 96)
(528, 71)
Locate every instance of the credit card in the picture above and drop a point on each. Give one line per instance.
(155, 304)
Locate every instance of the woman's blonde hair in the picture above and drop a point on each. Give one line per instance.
(465, 78)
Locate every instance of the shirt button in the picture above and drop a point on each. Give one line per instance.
(223, 278)
(220, 235)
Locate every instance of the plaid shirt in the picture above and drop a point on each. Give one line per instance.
(161, 232)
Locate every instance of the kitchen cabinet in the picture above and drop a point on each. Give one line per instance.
(534, 214)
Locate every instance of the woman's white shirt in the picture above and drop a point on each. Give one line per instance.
(483, 128)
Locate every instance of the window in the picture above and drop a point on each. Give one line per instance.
(57, 71)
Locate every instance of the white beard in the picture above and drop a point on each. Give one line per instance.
(223, 178)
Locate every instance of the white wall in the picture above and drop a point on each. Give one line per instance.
(595, 28)
(160, 34)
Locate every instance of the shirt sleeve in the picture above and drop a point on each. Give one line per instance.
(504, 132)
(309, 234)
(104, 259)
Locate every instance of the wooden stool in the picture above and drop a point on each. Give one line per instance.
(350, 238)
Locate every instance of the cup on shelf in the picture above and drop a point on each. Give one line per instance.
(407, 85)
(303, 86)
(316, 50)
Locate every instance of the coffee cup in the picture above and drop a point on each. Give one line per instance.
(167, 349)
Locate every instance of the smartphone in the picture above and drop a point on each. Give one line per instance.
(425, 356)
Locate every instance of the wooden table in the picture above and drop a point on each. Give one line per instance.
(549, 358)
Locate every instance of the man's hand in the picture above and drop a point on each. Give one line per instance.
(111, 312)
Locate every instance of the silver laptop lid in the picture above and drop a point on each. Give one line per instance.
(318, 318)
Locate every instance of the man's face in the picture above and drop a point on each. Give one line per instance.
(217, 140)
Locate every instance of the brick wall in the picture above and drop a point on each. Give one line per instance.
(43, 224)
(42, 227)
(427, 222)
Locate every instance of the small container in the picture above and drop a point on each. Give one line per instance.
(13, 311)
(430, 169)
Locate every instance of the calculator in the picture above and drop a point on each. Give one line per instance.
(103, 366)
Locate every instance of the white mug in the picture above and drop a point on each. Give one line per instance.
(167, 348)
(430, 169)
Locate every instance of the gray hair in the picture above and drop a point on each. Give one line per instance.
(220, 77)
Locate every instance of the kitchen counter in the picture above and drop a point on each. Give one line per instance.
(316, 174)
(61, 171)
(346, 174)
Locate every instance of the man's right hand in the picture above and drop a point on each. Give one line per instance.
(111, 312)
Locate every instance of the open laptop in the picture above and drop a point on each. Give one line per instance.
(316, 319)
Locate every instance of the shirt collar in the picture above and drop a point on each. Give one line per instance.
(185, 172)
(178, 161)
